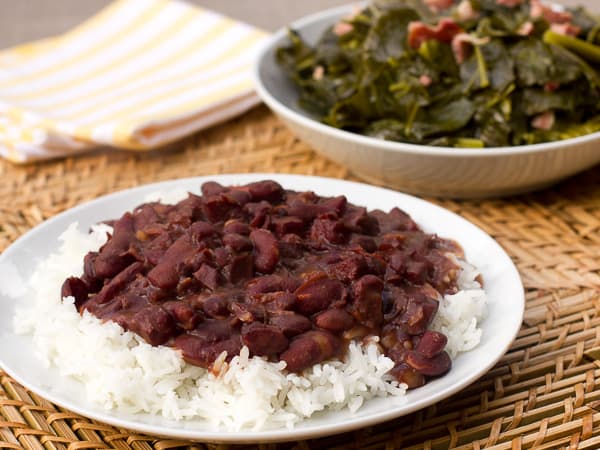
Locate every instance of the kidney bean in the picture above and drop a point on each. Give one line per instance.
(113, 256)
(196, 351)
(201, 230)
(213, 330)
(237, 196)
(266, 251)
(153, 323)
(118, 283)
(335, 320)
(165, 274)
(263, 340)
(366, 300)
(317, 294)
(211, 188)
(237, 242)
(156, 248)
(265, 190)
(259, 213)
(289, 323)
(438, 365)
(76, 288)
(222, 256)
(264, 284)
(236, 226)
(310, 348)
(431, 344)
(216, 306)
(276, 301)
(407, 375)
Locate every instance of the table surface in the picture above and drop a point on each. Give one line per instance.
(543, 394)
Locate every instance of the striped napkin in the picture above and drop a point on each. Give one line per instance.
(139, 74)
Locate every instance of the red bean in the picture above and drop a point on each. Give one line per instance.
(153, 323)
(438, 365)
(432, 343)
(118, 283)
(317, 294)
(335, 320)
(290, 324)
(266, 251)
(366, 300)
(198, 352)
(76, 288)
(408, 375)
(263, 340)
(310, 348)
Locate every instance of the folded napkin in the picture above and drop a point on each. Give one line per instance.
(139, 74)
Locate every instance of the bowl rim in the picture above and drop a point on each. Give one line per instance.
(284, 110)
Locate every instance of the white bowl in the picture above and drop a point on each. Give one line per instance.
(420, 169)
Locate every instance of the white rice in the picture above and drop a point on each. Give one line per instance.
(119, 370)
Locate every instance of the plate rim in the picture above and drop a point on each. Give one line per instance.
(278, 434)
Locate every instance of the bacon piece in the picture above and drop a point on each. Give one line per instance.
(318, 73)
(567, 29)
(544, 121)
(463, 43)
(444, 31)
(551, 86)
(342, 28)
(425, 80)
(526, 28)
(438, 5)
(466, 11)
(510, 3)
(538, 9)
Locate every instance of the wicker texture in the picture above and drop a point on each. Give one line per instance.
(543, 394)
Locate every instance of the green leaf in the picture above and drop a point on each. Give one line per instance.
(387, 39)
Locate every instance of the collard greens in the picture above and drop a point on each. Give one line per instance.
(522, 78)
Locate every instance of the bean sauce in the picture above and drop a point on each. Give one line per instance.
(291, 275)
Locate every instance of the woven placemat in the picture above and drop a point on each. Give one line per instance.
(543, 393)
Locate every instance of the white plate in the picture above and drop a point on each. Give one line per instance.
(502, 284)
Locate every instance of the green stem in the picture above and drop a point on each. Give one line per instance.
(482, 68)
(464, 142)
(411, 118)
(584, 49)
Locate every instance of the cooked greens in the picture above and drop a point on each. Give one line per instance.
(468, 73)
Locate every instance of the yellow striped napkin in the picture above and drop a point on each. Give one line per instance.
(139, 74)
